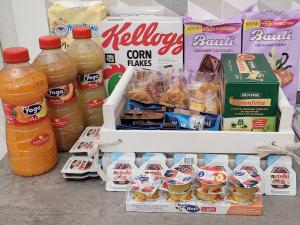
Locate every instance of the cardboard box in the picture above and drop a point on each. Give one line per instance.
(195, 206)
(150, 42)
(251, 93)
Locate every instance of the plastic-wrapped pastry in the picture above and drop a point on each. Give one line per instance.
(175, 96)
(145, 86)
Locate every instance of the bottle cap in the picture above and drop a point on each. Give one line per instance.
(15, 55)
(49, 42)
(81, 32)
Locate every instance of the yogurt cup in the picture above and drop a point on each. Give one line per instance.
(211, 178)
(143, 197)
(205, 196)
(245, 182)
(145, 187)
(240, 197)
(177, 181)
(179, 196)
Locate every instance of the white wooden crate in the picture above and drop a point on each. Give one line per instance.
(186, 141)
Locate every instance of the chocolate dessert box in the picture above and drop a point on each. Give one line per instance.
(150, 42)
(206, 40)
(251, 93)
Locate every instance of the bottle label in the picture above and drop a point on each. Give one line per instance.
(94, 103)
(59, 122)
(24, 115)
(40, 139)
(62, 94)
(90, 80)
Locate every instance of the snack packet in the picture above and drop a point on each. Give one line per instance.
(136, 105)
(205, 97)
(79, 167)
(82, 147)
(145, 86)
(122, 167)
(154, 163)
(175, 92)
(212, 122)
(91, 133)
(276, 34)
(64, 15)
(206, 40)
(183, 161)
(280, 178)
(184, 121)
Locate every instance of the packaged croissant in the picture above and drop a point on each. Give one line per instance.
(176, 90)
(145, 86)
(205, 97)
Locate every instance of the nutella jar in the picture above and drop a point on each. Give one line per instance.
(280, 178)
(122, 167)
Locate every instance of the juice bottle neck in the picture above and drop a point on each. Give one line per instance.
(51, 51)
(22, 64)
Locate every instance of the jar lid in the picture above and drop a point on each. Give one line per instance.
(212, 175)
(15, 55)
(81, 32)
(245, 178)
(145, 183)
(176, 177)
(49, 42)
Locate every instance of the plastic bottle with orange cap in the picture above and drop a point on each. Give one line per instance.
(29, 135)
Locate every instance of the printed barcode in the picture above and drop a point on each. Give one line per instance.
(189, 161)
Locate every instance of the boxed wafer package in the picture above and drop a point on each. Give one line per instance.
(151, 42)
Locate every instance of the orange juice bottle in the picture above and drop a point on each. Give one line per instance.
(29, 135)
(89, 58)
(64, 111)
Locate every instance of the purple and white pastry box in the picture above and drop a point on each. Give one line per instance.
(277, 35)
(206, 40)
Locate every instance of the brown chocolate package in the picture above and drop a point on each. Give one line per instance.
(209, 64)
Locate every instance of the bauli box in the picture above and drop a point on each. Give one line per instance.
(151, 42)
(251, 93)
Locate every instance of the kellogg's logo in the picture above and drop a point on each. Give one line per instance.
(145, 35)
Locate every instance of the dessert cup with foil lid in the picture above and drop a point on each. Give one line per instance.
(177, 181)
(245, 182)
(236, 197)
(209, 196)
(177, 196)
(211, 178)
(145, 187)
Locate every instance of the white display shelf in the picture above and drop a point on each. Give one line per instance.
(186, 141)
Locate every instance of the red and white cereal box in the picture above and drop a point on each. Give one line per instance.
(151, 42)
